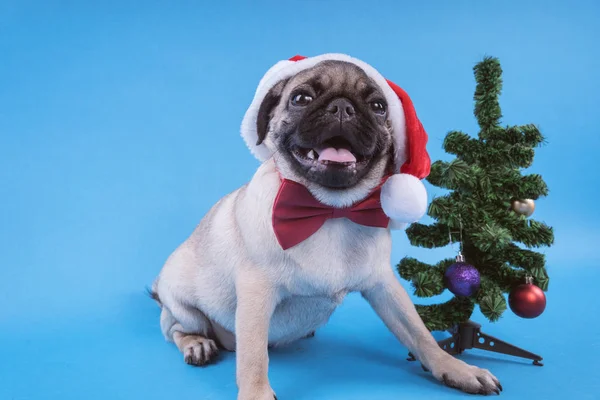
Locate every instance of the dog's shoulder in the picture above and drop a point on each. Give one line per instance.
(254, 202)
(253, 208)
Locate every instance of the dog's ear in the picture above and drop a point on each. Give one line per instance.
(266, 108)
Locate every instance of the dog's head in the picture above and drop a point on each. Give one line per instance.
(328, 128)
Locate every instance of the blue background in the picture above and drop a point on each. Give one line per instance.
(119, 128)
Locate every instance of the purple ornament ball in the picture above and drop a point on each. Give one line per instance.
(462, 279)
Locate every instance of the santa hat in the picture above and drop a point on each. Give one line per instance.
(403, 195)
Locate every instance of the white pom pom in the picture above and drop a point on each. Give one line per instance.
(403, 199)
(397, 226)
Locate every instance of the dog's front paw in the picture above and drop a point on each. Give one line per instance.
(257, 393)
(468, 378)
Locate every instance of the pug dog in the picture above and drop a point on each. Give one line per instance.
(325, 128)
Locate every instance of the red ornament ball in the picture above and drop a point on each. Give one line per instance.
(527, 300)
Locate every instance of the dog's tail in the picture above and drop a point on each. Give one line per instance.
(153, 294)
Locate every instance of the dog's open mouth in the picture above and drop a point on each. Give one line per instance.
(335, 152)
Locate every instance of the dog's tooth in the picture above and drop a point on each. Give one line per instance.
(312, 155)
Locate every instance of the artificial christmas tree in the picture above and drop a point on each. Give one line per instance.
(486, 210)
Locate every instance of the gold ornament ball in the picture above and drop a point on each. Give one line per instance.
(524, 207)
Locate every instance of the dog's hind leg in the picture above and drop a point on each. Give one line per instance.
(191, 332)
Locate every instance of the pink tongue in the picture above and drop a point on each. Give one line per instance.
(336, 155)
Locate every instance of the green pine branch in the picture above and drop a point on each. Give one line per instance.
(531, 233)
(525, 135)
(409, 267)
(507, 155)
(490, 237)
(428, 236)
(523, 258)
(441, 317)
(455, 175)
(427, 280)
(488, 75)
(427, 284)
(463, 146)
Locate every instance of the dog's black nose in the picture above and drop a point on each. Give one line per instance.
(341, 108)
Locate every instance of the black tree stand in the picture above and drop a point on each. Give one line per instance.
(468, 335)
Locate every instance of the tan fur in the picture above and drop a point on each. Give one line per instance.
(230, 281)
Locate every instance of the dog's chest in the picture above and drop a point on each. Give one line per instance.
(339, 258)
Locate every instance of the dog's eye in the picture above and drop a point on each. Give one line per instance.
(301, 99)
(378, 107)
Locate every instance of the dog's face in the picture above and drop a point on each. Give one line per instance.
(328, 127)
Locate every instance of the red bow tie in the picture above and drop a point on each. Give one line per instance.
(297, 214)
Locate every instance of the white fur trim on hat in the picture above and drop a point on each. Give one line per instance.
(403, 199)
(285, 69)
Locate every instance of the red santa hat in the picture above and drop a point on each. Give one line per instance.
(403, 195)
